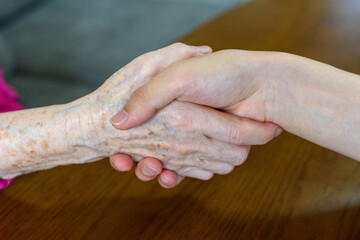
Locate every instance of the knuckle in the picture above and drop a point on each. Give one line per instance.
(236, 135)
(179, 45)
(226, 169)
(268, 136)
(267, 139)
(143, 63)
(182, 48)
(229, 169)
(139, 95)
(207, 176)
(140, 59)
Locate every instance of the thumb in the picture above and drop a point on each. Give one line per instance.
(146, 101)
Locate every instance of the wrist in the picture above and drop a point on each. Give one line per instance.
(316, 101)
(44, 140)
(81, 121)
(284, 71)
(90, 128)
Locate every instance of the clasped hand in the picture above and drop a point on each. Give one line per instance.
(203, 118)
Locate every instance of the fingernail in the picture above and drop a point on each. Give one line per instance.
(117, 167)
(164, 181)
(205, 49)
(278, 132)
(149, 171)
(119, 118)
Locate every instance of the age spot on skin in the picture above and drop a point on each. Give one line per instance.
(162, 147)
(45, 145)
(31, 142)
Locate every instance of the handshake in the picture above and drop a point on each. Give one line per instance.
(183, 111)
(205, 110)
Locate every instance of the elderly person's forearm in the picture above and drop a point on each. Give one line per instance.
(43, 138)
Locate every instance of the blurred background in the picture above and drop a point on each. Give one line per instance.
(54, 51)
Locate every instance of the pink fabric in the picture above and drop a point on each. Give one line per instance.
(9, 101)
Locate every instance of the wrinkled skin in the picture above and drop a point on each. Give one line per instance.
(193, 140)
(175, 137)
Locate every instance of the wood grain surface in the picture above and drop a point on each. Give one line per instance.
(287, 189)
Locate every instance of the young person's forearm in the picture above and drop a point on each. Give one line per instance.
(319, 103)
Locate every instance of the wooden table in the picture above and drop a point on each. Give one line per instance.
(287, 189)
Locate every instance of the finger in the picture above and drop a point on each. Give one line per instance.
(164, 57)
(196, 173)
(217, 167)
(121, 162)
(169, 179)
(234, 155)
(207, 163)
(148, 169)
(229, 128)
(206, 148)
